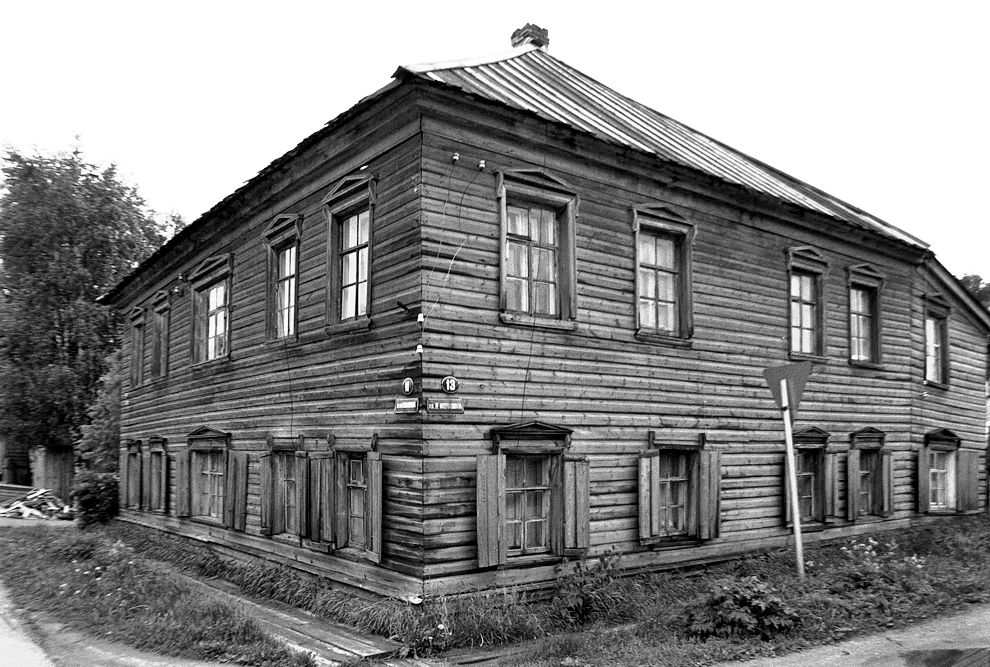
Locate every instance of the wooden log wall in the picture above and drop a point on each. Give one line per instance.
(612, 389)
(326, 383)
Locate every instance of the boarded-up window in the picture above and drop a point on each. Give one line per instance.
(869, 476)
(137, 347)
(284, 474)
(679, 492)
(131, 471)
(159, 335)
(154, 489)
(211, 480)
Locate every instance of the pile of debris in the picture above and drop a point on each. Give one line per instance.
(39, 504)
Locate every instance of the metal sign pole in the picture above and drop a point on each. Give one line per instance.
(792, 478)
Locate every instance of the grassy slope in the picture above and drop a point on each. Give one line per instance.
(98, 585)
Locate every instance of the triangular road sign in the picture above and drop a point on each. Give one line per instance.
(796, 376)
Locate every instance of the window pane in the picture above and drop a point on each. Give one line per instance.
(517, 256)
(518, 219)
(544, 298)
(665, 317)
(516, 294)
(647, 250)
(647, 314)
(348, 268)
(665, 286)
(362, 298)
(647, 284)
(666, 254)
(362, 263)
(534, 534)
(348, 302)
(544, 265)
(363, 218)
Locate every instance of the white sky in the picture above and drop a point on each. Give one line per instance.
(883, 104)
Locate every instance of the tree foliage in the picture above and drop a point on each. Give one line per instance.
(69, 231)
(100, 439)
(974, 285)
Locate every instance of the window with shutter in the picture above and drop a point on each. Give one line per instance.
(816, 480)
(679, 488)
(948, 475)
(868, 476)
(533, 499)
(211, 480)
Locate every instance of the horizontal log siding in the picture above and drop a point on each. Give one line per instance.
(323, 383)
(612, 388)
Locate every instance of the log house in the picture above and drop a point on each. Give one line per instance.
(497, 315)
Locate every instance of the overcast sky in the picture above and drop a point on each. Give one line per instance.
(883, 104)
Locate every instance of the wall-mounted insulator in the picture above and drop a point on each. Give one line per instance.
(481, 164)
(419, 350)
(420, 318)
(456, 157)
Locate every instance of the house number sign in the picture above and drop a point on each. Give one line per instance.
(449, 384)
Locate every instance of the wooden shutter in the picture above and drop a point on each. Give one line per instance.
(321, 499)
(267, 493)
(235, 491)
(182, 481)
(967, 480)
(886, 483)
(200, 315)
(649, 473)
(146, 481)
(852, 485)
(373, 515)
(828, 485)
(122, 462)
(709, 485)
(302, 493)
(491, 509)
(923, 480)
(576, 501)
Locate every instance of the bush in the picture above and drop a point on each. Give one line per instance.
(741, 607)
(590, 590)
(96, 497)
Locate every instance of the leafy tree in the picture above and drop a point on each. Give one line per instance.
(68, 232)
(981, 290)
(100, 439)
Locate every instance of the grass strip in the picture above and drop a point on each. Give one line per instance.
(99, 585)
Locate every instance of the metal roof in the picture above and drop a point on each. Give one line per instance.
(531, 79)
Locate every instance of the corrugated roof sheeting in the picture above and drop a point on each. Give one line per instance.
(533, 80)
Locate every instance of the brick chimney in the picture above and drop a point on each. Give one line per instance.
(531, 34)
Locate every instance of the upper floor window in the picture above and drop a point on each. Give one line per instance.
(936, 340)
(137, 347)
(663, 274)
(159, 335)
(864, 315)
(537, 241)
(807, 313)
(350, 208)
(211, 309)
(282, 238)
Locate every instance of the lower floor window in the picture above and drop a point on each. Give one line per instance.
(678, 493)
(808, 467)
(942, 477)
(527, 504)
(207, 471)
(357, 500)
